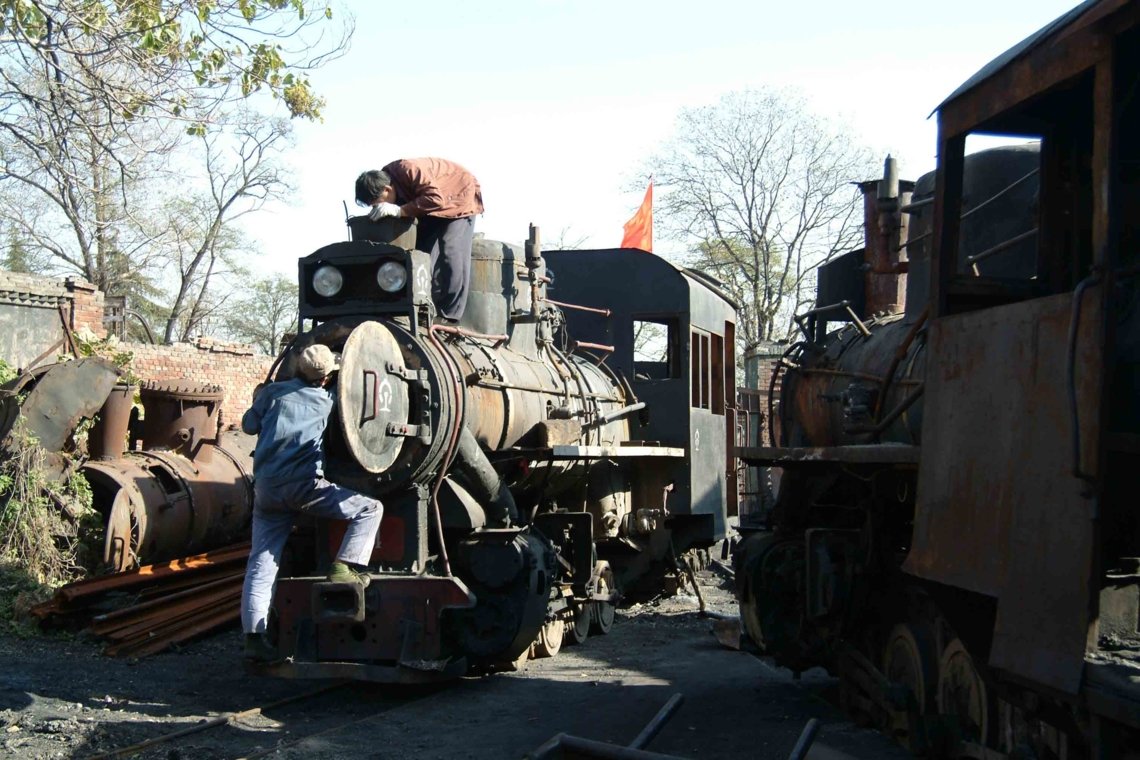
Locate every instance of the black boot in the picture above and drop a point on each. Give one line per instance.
(257, 649)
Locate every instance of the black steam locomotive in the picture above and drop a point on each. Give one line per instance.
(533, 460)
(956, 531)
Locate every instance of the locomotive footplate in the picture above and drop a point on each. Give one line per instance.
(390, 631)
(799, 456)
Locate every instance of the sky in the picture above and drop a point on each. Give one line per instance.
(556, 104)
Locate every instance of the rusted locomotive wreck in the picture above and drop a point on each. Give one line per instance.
(956, 533)
(530, 461)
(167, 485)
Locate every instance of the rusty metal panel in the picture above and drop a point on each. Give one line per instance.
(999, 511)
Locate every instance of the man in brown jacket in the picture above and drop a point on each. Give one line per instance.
(445, 198)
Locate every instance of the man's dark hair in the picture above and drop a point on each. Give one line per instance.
(369, 185)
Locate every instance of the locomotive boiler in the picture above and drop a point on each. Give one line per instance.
(504, 454)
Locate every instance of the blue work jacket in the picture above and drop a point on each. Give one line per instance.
(289, 420)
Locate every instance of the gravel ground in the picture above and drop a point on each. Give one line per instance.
(60, 698)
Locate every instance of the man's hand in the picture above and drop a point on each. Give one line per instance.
(381, 210)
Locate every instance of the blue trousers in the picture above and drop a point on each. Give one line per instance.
(275, 507)
(449, 243)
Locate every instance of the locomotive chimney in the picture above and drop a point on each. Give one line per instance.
(885, 228)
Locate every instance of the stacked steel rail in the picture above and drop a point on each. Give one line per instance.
(166, 603)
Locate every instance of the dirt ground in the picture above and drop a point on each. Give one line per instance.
(60, 698)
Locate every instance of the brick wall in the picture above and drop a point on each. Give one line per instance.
(33, 310)
(759, 364)
(236, 367)
(86, 307)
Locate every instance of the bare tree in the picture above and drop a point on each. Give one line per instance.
(264, 313)
(94, 94)
(761, 190)
(242, 173)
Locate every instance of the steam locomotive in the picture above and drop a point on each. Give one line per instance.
(955, 532)
(533, 460)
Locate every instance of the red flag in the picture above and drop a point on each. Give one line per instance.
(639, 229)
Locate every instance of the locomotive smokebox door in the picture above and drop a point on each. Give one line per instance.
(373, 396)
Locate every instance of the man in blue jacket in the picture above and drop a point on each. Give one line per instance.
(289, 419)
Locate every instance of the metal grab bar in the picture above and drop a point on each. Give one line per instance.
(1005, 246)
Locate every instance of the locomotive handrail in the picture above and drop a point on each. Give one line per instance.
(497, 339)
(605, 419)
(575, 345)
(841, 305)
(927, 201)
(772, 398)
(916, 204)
(576, 307)
(900, 354)
(1071, 374)
(999, 248)
(999, 194)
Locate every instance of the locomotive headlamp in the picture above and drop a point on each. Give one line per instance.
(328, 281)
(392, 276)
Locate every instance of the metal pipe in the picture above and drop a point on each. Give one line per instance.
(845, 373)
(486, 485)
(605, 419)
(900, 354)
(469, 333)
(653, 727)
(496, 385)
(858, 322)
(998, 194)
(807, 738)
(917, 239)
(575, 345)
(449, 452)
(897, 412)
(1071, 374)
(576, 307)
(1004, 246)
(916, 204)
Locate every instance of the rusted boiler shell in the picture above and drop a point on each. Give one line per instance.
(185, 495)
(838, 396)
(163, 505)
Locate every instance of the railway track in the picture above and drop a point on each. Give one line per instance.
(262, 730)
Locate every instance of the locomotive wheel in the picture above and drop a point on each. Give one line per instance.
(549, 641)
(962, 693)
(578, 629)
(908, 659)
(602, 613)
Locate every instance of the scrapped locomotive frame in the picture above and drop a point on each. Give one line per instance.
(954, 533)
(530, 463)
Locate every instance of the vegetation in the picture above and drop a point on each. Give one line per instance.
(45, 520)
(129, 143)
(265, 314)
(760, 190)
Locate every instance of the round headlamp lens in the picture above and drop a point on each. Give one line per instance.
(392, 276)
(328, 281)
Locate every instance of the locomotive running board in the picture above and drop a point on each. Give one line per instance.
(881, 453)
(598, 452)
